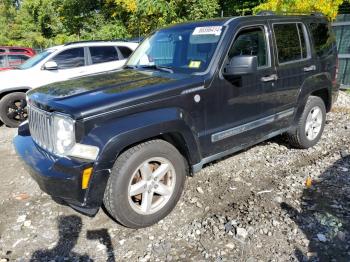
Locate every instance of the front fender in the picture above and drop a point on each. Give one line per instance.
(113, 136)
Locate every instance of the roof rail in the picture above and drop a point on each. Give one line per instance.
(93, 41)
(269, 12)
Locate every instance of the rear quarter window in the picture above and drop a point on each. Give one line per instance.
(126, 52)
(323, 38)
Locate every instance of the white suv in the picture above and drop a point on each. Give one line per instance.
(55, 64)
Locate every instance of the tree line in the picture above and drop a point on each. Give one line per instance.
(42, 23)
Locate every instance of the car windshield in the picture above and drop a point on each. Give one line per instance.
(181, 50)
(35, 59)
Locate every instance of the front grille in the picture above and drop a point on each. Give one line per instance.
(41, 128)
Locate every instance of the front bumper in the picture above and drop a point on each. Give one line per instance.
(61, 177)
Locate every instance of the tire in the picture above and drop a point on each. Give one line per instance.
(126, 177)
(303, 138)
(13, 109)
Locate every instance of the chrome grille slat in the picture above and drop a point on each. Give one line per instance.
(40, 126)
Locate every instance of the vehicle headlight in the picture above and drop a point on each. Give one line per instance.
(65, 143)
(64, 133)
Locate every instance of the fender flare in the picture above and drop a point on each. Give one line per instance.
(311, 85)
(114, 136)
(6, 91)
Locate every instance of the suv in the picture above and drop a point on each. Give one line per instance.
(55, 64)
(190, 94)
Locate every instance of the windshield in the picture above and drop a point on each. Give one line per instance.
(183, 50)
(35, 59)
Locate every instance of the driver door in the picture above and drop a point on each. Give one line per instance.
(70, 64)
(238, 115)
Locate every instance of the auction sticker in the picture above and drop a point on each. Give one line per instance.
(207, 30)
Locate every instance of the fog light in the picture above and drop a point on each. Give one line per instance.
(86, 178)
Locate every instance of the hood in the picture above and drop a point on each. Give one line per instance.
(86, 96)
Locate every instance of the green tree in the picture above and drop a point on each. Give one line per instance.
(238, 7)
(327, 7)
(143, 16)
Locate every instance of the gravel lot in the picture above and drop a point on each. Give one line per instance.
(252, 206)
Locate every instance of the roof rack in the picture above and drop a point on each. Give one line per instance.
(269, 12)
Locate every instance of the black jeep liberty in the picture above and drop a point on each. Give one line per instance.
(190, 94)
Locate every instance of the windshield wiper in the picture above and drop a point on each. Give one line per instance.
(160, 68)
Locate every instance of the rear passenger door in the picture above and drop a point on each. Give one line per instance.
(104, 58)
(294, 64)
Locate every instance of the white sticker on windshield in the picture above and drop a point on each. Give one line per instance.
(207, 30)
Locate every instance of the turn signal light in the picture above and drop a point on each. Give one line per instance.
(86, 178)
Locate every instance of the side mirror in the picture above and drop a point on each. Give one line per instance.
(241, 65)
(51, 65)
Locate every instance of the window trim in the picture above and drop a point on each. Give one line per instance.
(85, 58)
(307, 40)
(266, 34)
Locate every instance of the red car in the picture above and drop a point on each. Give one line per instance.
(11, 56)
(16, 49)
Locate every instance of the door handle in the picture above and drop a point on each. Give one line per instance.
(273, 77)
(310, 68)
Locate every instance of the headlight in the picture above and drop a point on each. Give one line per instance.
(65, 143)
(64, 133)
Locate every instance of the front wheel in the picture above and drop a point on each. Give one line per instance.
(145, 184)
(311, 124)
(13, 109)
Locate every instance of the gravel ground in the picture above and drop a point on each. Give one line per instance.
(267, 203)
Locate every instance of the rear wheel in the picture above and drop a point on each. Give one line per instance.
(13, 109)
(311, 124)
(145, 184)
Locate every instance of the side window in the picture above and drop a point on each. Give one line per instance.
(251, 41)
(126, 51)
(70, 58)
(103, 54)
(2, 50)
(290, 44)
(323, 38)
(2, 61)
(15, 60)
